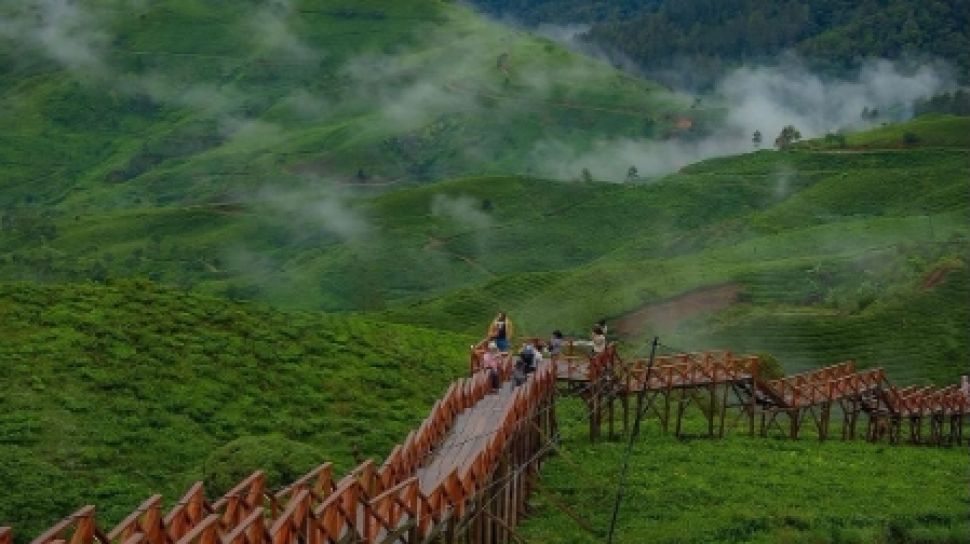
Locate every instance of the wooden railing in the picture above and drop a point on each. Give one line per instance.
(926, 401)
(369, 504)
(672, 371)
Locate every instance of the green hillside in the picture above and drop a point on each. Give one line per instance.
(662, 36)
(112, 393)
(826, 252)
(242, 163)
(188, 101)
(830, 245)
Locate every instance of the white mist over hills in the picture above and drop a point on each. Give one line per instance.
(765, 99)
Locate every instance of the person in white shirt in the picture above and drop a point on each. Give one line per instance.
(599, 340)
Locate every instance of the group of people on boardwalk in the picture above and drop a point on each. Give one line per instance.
(500, 333)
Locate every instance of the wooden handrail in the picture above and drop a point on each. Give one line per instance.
(145, 520)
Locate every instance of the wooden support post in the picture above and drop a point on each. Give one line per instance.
(592, 417)
(853, 418)
(823, 427)
(724, 402)
(752, 404)
(680, 412)
(666, 420)
(609, 414)
(794, 418)
(625, 405)
(712, 392)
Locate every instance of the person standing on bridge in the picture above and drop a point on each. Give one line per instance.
(491, 362)
(602, 325)
(599, 340)
(556, 343)
(526, 363)
(500, 331)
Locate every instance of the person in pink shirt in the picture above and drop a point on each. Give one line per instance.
(492, 362)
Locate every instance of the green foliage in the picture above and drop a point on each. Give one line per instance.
(114, 392)
(769, 368)
(742, 489)
(910, 138)
(714, 35)
(955, 103)
(407, 99)
(787, 137)
(931, 130)
(283, 460)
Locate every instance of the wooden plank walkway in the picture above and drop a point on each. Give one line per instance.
(469, 435)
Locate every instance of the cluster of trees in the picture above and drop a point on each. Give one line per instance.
(708, 36)
(956, 103)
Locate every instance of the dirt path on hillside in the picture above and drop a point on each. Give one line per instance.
(667, 315)
(437, 244)
(937, 276)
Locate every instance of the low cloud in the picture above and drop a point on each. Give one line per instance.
(63, 32)
(271, 32)
(573, 36)
(306, 105)
(769, 98)
(762, 98)
(462, 209)
(319, 208)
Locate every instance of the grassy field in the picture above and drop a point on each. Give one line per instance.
(115, 392)
(743, 489)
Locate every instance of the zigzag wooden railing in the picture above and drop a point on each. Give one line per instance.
(718, 381)
(482, 498)
(369, 504)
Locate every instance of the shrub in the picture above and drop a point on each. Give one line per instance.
(769, 367)
(283, 460)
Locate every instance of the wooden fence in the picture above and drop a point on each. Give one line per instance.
(717, 382)
(479, 501)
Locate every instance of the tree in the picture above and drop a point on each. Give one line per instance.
(788, 136)
(756, 138)
(910, 138)
(836, 138)
(632, 174)
(586, 175)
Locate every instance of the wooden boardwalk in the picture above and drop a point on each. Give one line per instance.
(719, 382)
(463, 475)
(471, 432)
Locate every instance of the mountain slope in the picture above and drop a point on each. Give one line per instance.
(663, 37)
(147, 111)
(828, 251)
